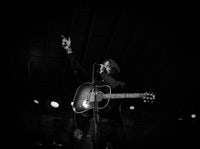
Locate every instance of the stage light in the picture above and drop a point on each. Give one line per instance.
(193, 115)
(131, 107)
(54, 104)
(36, 101)
(180, 118)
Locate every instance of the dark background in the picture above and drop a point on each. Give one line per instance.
(154, 44)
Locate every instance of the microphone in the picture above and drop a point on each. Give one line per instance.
(101, 68)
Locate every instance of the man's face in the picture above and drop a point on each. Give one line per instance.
(107, 66)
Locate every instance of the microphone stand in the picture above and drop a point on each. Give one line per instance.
(95, 109)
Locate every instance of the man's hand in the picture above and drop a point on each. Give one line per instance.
(122, 84)
(102, 68)
(78, 134)
(66, 44)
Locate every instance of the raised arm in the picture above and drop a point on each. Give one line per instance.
(78, 70)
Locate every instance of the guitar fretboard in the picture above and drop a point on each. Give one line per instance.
(122, 95)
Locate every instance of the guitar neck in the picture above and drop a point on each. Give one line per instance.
(123, 95)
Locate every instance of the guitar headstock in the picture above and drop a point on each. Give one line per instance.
(149, 97)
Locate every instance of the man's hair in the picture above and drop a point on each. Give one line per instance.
(113, 65)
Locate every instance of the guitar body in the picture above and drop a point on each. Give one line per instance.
(84, 98)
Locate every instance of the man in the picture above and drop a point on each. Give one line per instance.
(109, 124)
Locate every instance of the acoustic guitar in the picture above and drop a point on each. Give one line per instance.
(86, 94)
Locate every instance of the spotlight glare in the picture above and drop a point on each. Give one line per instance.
(193, 115)
(180, 118)
(54, 104)
(36, 101)
(131, 107)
